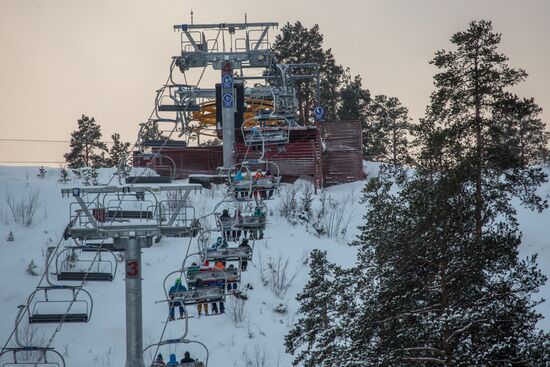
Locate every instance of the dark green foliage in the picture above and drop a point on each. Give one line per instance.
(385, 131)
(151, 131)
(355, 100)
(87, 149)
(311, 338)
(429, 292)
(474, 125)
(438, 280)
(385, 123)
(63, 175)
(118, 154)
(298, 44)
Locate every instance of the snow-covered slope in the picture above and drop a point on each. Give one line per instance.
(101, 342)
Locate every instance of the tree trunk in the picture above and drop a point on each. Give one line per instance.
(479, 150)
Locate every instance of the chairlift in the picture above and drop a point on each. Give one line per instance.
(239, 254)
(71, 267)
(31, 356)
(44, 306)
(94, 246)
(172, 343)
(254, 180)
(158, 162)
(196, 293)
(266, 130)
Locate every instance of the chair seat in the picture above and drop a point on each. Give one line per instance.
(56, 318)
(81, 276)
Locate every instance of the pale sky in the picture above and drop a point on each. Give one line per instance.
(105, 58)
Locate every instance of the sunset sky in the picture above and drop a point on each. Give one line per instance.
(105, 58)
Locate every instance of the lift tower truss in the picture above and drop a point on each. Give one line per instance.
(132, 216)
(226, 47)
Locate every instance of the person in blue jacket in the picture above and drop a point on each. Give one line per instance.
(175, 291)
(220, 243)
(173, 362)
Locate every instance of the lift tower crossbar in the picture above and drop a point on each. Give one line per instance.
(110, 212)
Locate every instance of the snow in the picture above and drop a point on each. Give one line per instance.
(102, 340)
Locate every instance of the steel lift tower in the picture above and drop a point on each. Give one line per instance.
(246, 46)
(105, 212)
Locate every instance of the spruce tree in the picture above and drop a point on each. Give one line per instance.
(310, 341)
(426, 293)
(473, 111)
(87, 149)
(63, 175)
(118, 153)
(355, 101)
(386, 127)
(151, 131)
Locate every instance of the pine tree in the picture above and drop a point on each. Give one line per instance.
(305, 210)
(31, 269)
(385, 131)
(310, 339)
(298, 44)
(425, 293)
(63, 175)
(355, 101)
(150, 131)
(86, 147)
(118, 154)
(42, 172)
(473, 111)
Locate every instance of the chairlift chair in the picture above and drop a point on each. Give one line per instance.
(228, 254)
(172, 343)
(31, 356)
(266, 130)
(250, 188)
(69, 267)
(194, 295)
(40, 304)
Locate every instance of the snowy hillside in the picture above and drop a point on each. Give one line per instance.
(101, 342)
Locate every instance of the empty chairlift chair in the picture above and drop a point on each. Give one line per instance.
(70, 266)
(59, 303)
(31, 356)
(266, 130)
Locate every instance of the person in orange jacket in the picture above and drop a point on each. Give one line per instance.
(219, 265)
(258, 192)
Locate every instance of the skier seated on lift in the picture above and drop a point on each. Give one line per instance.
(193, 269)
(220, 283)
(225, 218)
(176, 291)
(173, 362)
(205, 266)
(269, 193)
(200, 302)
(231, 270)
(159, 362)
(244, 245)
(238, 218)
(258, 214)
(219, 244)
(259, 190)
(187, 358)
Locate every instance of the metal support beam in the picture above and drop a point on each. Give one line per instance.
(134, 314)
(178, 208)
(228, 119)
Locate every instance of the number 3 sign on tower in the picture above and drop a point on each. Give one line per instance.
(132, 269)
